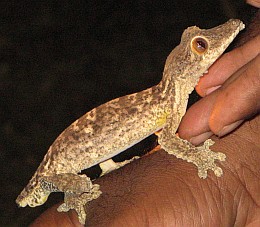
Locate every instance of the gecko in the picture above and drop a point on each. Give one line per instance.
(111, 128)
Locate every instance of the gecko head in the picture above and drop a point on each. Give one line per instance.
(32, 195)
(199, 49)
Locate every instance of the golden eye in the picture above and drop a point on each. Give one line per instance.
(199, 45)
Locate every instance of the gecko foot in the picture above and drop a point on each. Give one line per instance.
(204, 158)
(78, 191)
(78, 201)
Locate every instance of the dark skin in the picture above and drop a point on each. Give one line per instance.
(161, 190)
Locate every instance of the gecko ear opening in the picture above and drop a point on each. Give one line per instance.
(199, 45)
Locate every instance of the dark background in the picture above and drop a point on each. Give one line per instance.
(59, 59)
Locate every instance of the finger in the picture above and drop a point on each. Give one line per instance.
(52, 217)
(255, 3)
(237, 101)
(194, 126)
(229, 63)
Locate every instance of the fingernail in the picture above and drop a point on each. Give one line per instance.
(200, 138)
(228, 128)
(210, 90)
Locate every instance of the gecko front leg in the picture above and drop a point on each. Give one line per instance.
(202, 156)
(78, 191)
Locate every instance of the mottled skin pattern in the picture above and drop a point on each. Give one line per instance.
(116, 125)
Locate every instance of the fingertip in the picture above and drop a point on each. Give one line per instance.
(200, 89)
(196, 140)
(210, 90)
(216, 76)
(228, 128)
(195, 121)
(204, 91)
(52, 217)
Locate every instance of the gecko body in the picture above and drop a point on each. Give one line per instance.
(118, 124)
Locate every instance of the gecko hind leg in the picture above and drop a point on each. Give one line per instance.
(78, 191)
(202, 156)
(77, 202)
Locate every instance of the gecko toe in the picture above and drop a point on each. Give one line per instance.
(221, 156)
(218, 171)
(63, 208)
(202, 173)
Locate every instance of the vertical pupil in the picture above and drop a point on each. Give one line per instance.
(201, 44)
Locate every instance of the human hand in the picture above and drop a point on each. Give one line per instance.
(160, 190)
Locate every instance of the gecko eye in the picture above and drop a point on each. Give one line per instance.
(199, 45)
